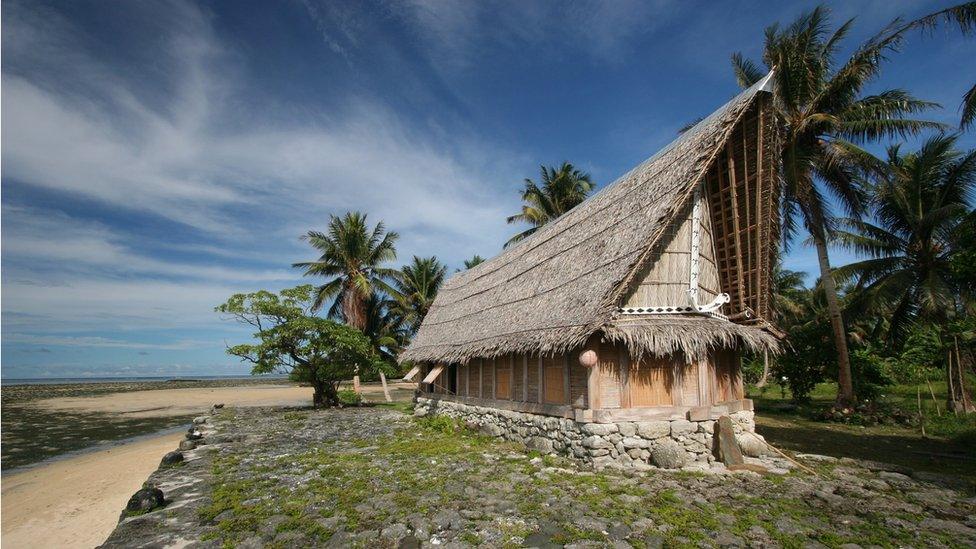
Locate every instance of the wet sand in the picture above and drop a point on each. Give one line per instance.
(76, 502)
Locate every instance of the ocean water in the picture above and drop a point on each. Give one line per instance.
(130, 379)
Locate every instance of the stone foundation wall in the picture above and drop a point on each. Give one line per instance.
(669, 444)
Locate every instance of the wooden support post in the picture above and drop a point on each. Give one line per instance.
(511, 377)
(494, 378)
(566, 396)
(355, 384)
(593, 379)
(760, 223)
(749, 221)
(386, 390)
(542, 380)
(735, 230)
(525, 378)
(481, 378)
(624, 360)
(467, 379)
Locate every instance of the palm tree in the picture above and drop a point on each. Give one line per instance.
(385, 327)
(351, 255)
(475, 260)
(791, 300)
(919, 207)
(824, 116)
(415, 287)
(561, 190)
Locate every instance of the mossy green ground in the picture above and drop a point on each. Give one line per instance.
(437, 479)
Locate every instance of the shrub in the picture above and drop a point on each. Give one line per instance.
(348, 397)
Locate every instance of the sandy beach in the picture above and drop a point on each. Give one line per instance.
(75, 502)
(175, 402)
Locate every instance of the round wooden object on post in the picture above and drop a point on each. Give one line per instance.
(588, 358)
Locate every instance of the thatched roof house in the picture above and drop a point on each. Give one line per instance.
(663, 275)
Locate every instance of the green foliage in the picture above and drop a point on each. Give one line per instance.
(352, 255)
(415, 286)
(872, 373)
(561, 190)
(348, 397)
(291, 340)
(808, 359)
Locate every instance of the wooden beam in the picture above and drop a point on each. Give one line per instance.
(542, 380)
(593, 379)
(494, 377)
(511, 377)
(481, 378)
(760, 224)
(624, 360)
(566, 396)
(525, 378)
(749, 240)
(735, 229)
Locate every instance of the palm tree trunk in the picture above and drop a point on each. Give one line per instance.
(353, 308)
(765, 374)
(845, 384)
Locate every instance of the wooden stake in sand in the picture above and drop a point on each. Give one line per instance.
(386, 390)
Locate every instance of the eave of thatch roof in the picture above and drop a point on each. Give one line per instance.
(693, 336)
(552, 291)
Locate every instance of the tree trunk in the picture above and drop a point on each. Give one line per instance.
(353, 308)
(318, 394)
(765, 375)
(845, 384)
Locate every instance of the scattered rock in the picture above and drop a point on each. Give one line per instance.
(144, 501)
(668, 454)
(171, 458)
(726, 447)
(187, 445)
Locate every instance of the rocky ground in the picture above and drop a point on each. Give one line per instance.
(376, 477)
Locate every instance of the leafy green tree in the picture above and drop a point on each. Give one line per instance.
(824, 114)
(352, 255)
(920, 205)
(561, 190)
(291, 340)
(415, 286)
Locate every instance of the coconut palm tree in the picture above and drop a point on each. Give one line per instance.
(561, 190)
(919, 206)
(475, 260)
(791, 301)
(352, 255)
(415, 287)
(385, 327)
(825, 115)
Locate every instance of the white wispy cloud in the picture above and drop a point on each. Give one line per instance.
(245, 186)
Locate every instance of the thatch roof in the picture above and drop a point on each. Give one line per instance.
(552, 291)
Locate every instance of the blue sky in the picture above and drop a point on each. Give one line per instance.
(160, 156)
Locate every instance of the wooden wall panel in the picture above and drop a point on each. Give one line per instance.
(728, 377)
(689, 384)
(533, 379)
(609, 365)
(578, 376)
(488, 379)
(518, 376)
(503, 378)
(650, 382)
(553, 380)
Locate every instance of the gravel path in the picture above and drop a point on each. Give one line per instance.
(375, 477)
